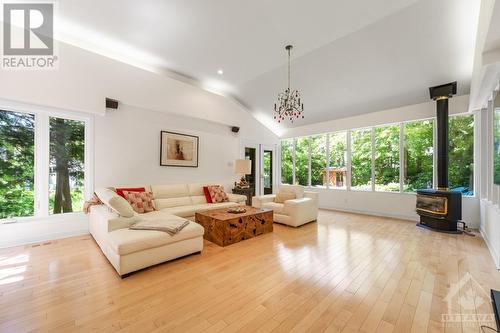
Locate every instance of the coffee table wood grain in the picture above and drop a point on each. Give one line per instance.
(223, 228)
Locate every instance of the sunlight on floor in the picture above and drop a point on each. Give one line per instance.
(12, 274)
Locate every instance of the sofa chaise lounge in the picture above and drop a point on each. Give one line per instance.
(131, 250)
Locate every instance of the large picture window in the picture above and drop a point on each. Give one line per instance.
(318, 160)
(361, 160)
(461, 164)
(287, 161)
(43, 162)
(302, 161)
(387, 158)
(338, 160)
(418, 155)
(17, 163)
(66, 168)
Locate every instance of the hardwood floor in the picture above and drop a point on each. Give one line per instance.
(346, 273)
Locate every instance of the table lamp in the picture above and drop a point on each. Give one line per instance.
(242, 167)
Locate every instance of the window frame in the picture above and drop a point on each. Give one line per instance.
(372, 156)
(42, 142)
(401, 125)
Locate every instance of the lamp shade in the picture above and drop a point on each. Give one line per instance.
(243, 167)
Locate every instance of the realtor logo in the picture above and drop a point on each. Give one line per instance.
(28, 36)
(466, 302)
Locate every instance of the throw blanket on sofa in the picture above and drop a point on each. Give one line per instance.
(172, 227)
(92, 202)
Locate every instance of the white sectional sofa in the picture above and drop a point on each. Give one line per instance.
(295, 212)
(131, 250)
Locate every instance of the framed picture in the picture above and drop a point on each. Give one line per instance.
(178, 149)
(496, 140)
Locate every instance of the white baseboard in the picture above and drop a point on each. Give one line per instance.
(43, 238)
(372, 213)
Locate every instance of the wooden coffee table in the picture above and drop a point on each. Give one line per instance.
(223, 228)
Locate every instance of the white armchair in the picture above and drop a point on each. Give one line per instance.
(294, 212)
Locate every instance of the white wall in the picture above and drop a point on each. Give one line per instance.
(490, 192)
(397, 205)
(128, 146)
(490, 228)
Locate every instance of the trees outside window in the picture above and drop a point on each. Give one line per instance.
(461, 164)
(361, 160)
(387, 158)
(338, 160)
(17, 161)
(318, 160)
(378, 159)
(418, 155)
(66, 168)
(302, 161)
(287, 161)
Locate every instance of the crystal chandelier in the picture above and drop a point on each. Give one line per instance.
(288, 104)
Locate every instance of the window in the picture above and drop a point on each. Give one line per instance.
(287, 161)
(387, 158)
(66, 168)
(17, 161)
(338, 158)
(43, 162)
(461, 164)
(318, 160)
(418, 155)
(302, 161)
(361, 160)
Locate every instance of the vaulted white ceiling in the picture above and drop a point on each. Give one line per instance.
(349, 57)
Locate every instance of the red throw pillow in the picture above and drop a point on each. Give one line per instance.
(207, 194)
(120, 191)
(141, 202)
(217, 193)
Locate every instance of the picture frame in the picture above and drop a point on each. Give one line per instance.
(178, 149)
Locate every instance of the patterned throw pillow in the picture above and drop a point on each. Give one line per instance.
(141, 202)
(217, 193)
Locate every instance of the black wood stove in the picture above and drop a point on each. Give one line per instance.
(441, 209)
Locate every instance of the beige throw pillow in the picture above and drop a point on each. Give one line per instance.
(281, 197)
(115, 202)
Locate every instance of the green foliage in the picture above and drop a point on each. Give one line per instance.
(318, 159)
(361, 159)
(268, 168)
(17, 159)
(461, 152)
(67, 147)
(302, 161)
(338, 149)
(418, 150)
(286, 161)
(387, 158)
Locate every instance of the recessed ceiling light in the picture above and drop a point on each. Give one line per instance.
(220, 72)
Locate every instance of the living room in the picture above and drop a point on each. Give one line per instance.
(250, 166)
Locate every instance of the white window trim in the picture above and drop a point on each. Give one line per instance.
(41, 166)
(401, 124)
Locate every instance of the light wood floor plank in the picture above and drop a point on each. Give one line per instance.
(345, 273)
